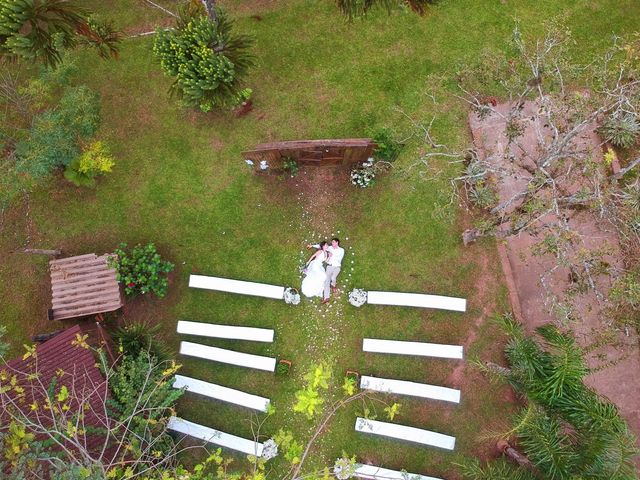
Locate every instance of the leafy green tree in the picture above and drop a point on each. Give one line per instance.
(46, 432)
(566, 430)
(208, 60)
(40, 30)
(137, 381)
(54, 137)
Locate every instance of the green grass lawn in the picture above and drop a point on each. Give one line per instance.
(180, 181)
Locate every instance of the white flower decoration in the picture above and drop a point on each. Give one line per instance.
(291, 296)
(357, 297)
(269, 449)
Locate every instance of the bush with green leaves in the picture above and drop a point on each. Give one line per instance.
(290, 165)
(309, 399)
(482, 195)
(143, 380)
(37, 126)
(387, 148)
(621, 130)
(95, 160)
(207, 59)
(139, 337)
(141, 270)
(54, 138)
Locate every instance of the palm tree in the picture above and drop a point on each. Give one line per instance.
(41, 30)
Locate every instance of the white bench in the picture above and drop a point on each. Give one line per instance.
(217, 437)
(219, 392)
(412, 348)
(228, 356)
(402, 432)
(236, 286)
(225, 331)
(403, 387)
(417, 300)
(371, 472)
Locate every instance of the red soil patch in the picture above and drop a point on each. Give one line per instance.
(534, 305)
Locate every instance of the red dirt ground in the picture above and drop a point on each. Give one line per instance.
(619, 382)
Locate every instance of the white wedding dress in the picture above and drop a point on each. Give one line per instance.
(313, 282)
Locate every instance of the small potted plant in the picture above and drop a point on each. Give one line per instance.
(351, 383)
(283, 367)
(352, 374)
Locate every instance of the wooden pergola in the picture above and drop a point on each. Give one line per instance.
(83, 285)
(334, 153)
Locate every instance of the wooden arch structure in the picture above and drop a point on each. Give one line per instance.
(321, 153)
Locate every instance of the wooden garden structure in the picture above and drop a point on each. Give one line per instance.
(83, 285)
(322, 153)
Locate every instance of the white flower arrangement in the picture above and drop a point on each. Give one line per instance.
(269, 449)
(291, 296)
(264, 165)
(357, 297)
(364, 175)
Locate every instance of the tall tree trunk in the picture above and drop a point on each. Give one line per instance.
(515, 455)
(210, 7)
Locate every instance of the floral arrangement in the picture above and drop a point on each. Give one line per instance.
(291, 296)
(357, 297)
(364, 175)
(270, 449)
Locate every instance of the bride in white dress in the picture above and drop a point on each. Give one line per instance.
(313, 282)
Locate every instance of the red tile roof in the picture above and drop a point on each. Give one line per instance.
(65, 361)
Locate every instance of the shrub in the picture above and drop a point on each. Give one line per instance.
(483, 196)
(95, 160)
(79, 111)
(387, 148)
(141, 270)
(54, 137)
(621, 130)
(309, 399)
(290, 165)
(142, 380)
(50, 145)
(209, 62)
(139, 337)
(243, 97)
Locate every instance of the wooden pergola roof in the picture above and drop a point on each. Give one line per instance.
(83, 285)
